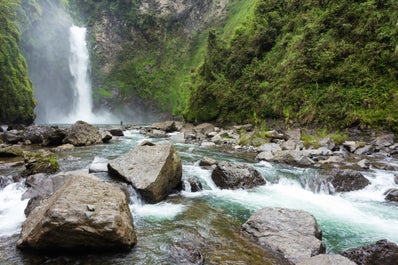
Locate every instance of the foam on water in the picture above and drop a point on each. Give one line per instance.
(158, 212)
(358, 216)
(11, 209)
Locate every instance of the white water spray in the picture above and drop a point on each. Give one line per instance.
(79, 63)
(78, 66)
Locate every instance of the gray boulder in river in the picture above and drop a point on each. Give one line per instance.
(154, 170)
(85, 213)
(82, 133)
(347, 180)
(382, 252)
(294, 233)
(228, 175)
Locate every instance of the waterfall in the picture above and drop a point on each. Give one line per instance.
(79, 62)
(79, 65)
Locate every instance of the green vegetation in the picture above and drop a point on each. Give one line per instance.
(330, 64)
(16, 102)
(158, 51)
(313, 138)
(325, 63)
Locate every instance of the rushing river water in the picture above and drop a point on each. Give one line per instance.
(212, 218)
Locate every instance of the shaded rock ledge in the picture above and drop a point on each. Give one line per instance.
(84, 214)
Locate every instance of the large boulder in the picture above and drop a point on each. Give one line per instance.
(228, 175)
(41, 186)
(167, 126)
(204, 129)
(82, 133)
(34, 134)
(327, 259)
(381, 253)
(12, 137)
(293, 157)
(154, 170)
(84, 214)
(54, 135)
(40, 162)
(116, 131)
(347, 180)
(384, 141)
(294, 233)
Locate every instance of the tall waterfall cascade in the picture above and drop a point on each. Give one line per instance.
(78, 66)
(79, 62)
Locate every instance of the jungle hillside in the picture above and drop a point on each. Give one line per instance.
(308, 63)
(16, 90)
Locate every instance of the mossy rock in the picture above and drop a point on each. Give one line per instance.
(11, 151)
(40, 162)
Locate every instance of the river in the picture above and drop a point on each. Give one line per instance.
(212, 218)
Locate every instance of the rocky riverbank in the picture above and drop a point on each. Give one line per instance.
(342, 165)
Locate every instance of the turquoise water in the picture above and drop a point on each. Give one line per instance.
(213, 217)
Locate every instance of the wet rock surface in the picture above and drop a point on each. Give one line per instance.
(327, 259)
(228, 175)
(82, 134)
(392, 195)
(348, 180)
(84, 214)
(382, 252)
(40, 162)
(293, 233)
(154, 170)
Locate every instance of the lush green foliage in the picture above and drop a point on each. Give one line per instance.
(333, 63)
(157, 54)
(16, 101)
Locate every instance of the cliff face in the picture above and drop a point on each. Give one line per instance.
(185, 17)
(142, 50)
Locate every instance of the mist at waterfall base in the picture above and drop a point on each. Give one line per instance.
(59, 68)
(79, 68)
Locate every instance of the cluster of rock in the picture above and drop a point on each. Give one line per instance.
(76, 211)
(280, 147)
(342, 163)
(79, 134)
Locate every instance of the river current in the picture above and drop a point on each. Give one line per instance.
(212, 217)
